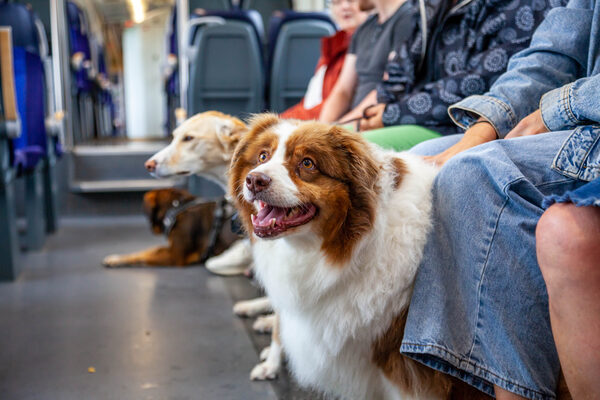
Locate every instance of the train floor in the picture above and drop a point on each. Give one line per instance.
(72, 329)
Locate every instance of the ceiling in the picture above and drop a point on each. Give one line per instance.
(112, 11)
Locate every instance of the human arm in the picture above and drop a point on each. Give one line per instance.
(574, 104)
(479, 133)
(357, 112)
(340, 99)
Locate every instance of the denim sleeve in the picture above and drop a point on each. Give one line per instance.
(574, 104)
(557, 56)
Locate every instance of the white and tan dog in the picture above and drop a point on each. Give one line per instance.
(338, 228)
(203, 145)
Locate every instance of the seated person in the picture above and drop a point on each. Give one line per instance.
(483, 309)
(369, 48)
(468, 47)
(347, 15)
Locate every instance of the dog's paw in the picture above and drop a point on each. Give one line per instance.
(264, 354)
(252, 308)
(113, 261)
(263, 371)
(264, 324)
(241, 309)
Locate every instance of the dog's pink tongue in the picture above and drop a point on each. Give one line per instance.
(266, 214)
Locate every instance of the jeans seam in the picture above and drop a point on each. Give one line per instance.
(544, 184)
(485, 263)
(568, 107)
(475, 365)
(513, 118)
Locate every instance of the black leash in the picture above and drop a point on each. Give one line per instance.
(357, 120)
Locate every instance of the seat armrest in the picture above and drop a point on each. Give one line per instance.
(10, 123)
(55, 124)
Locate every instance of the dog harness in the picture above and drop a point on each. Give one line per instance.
(219, 216)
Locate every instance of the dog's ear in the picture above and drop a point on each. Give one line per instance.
(229, 133)
(360, 173)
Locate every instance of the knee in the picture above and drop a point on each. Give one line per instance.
(568, 243)
(457, 178)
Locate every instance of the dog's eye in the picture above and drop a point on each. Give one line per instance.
(263, 157)
(187, 138)
(308, 163)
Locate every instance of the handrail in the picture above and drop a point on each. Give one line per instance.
(11, 126)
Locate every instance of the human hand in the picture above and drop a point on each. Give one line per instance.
(372, 118)
(474, 136)
(530, 125)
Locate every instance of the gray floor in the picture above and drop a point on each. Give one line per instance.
(151, 333)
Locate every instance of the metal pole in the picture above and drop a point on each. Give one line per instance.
(60, 66)
(183, 16)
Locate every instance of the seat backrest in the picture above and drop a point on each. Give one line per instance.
(209, 4)
(251, 17)
(294, 59)
(226, 72)
(267, 8)
(20, 19)
(30, 86)
(279, 18)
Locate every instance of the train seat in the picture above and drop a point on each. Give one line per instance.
(226, 63)
(294, 49)
(29, 151)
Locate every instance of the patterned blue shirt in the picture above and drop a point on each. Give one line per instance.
(469, 46)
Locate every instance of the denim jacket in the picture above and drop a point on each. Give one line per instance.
(468, 47)
(558, 73)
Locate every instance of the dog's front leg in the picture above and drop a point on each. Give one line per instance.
(264, 324)
(269, 368)
(156, 256)
(252, 308)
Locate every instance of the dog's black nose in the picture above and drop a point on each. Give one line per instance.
(257, 182)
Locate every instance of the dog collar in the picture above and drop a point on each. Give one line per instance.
(177, 208)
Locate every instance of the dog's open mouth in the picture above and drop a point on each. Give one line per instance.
(272, 220)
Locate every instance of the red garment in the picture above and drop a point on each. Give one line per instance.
(333, 53)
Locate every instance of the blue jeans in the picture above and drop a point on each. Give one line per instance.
(480, 309)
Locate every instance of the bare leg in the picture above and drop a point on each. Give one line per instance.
(568, 250)
(502, 394)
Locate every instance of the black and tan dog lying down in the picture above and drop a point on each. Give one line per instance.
(195, 229)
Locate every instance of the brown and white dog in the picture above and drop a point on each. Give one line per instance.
(187, 240)
(338, 228)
